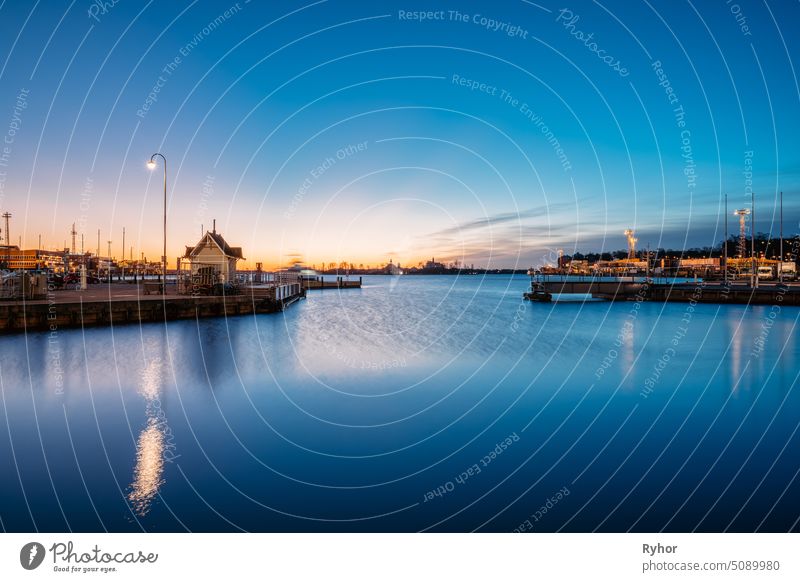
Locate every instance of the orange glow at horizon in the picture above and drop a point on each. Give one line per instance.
(354, 228)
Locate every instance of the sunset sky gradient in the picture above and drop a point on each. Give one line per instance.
(352, 131)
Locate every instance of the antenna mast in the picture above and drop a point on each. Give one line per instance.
(631, 244)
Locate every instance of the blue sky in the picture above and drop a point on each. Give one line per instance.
(356, 131)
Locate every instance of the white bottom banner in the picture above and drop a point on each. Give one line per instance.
(355, 557)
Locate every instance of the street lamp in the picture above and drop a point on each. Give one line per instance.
(152, 165)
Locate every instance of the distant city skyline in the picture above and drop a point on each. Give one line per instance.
(337, 131)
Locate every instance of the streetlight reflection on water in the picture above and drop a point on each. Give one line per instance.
(148, 473)
(154, 445)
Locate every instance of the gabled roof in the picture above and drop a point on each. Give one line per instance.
(216, 238)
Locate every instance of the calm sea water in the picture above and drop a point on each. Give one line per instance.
(415, 403)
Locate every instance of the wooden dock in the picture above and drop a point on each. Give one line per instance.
(338, 283)
(640, 289)
(121, 304)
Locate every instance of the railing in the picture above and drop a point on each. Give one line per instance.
(208, 279)
(662, 280)
(266, 278)
(23, 285)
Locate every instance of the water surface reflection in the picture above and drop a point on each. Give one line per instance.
(342, 412)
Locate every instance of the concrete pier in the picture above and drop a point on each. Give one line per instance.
(764, 294)
(639, 289)
(120, 304)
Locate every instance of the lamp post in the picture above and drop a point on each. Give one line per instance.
(7, 215)
(152, 165)
(753, 239)
(780, 263)
(725, 243)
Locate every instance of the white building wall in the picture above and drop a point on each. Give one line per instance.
(210, 254)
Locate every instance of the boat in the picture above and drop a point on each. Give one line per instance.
(538, 291)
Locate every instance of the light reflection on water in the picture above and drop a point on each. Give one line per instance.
(150, 447)
(149, 468)
(344, 411)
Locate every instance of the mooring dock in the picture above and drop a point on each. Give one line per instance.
(543, 287)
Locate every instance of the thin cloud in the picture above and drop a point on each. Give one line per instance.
(500, 218)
